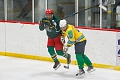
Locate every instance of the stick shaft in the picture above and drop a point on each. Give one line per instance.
(80, 11)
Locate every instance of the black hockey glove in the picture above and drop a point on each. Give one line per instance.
(45, 23)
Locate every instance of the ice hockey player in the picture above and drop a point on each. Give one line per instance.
(51, 24)
(79, 40)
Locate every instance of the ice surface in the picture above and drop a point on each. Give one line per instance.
(26, 69)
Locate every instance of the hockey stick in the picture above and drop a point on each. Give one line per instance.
(65, 52)
(67, 66)
(100, 5)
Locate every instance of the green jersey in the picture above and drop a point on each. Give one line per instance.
(52, 31)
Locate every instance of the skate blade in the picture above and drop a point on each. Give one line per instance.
(57, 66)
(91, 70)
(66, 67)
(80, 76)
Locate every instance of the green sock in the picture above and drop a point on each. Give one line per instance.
(52, 53)
(87, 60)
(61, 53)
(80, 60)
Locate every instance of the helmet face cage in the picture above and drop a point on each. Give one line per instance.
(49, 11)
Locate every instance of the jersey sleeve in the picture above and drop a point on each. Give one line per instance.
(71, 38)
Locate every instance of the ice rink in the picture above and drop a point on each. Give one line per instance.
(26, 69)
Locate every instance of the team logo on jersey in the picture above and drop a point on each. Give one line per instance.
(70, 36)
(70, 33)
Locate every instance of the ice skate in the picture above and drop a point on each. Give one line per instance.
(90, 69)
(56, 65)
(80, 73)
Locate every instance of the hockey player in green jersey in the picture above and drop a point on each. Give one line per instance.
(51, 24)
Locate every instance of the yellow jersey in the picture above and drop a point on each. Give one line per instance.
(73, 35)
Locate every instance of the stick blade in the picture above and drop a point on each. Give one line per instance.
(66, 66)
(103, 7)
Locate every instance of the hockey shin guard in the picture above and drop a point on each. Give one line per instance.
(87, 60)
(80, 60)
(52, 53)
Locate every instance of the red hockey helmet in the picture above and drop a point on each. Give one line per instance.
(49, 11)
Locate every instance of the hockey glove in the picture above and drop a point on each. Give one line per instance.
(42, 23)
(62, 39)
(45, 23)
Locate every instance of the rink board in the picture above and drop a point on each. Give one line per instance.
(27, 41)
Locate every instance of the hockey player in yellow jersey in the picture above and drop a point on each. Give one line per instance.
(77, 38)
